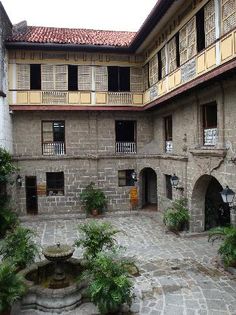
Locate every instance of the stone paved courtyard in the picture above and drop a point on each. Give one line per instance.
(178, 275)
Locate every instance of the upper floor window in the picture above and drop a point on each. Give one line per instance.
(168, 134)
(209, 118)
(173, 53)
(72, 78)
(55, 183)
(125, 136)
(35, 77)
(53, 137)
(228, 15)
(119, 79)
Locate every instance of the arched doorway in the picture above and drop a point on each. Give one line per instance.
(148, 187)
(207, 204)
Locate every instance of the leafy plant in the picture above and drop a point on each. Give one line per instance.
(109, 285)
(6, 166)
(19, 248)
(228, 248)
(93, 198)
(96, 237)
(11, 284)
(8, 218)
(177, 216)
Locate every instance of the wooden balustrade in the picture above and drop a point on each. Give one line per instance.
(54, 148)
(126, 147)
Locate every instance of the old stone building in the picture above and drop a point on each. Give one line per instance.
(98, 105)
(5, 119)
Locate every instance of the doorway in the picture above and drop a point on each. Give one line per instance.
(208, 208)
(149, 188)
(31, 195)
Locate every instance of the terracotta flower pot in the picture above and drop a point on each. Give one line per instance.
(6, 312)
(95, 212)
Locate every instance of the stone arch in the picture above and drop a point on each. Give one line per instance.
(148, 187)
(207, 207)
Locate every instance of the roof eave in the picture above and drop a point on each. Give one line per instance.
(151, 21)
(67, 47)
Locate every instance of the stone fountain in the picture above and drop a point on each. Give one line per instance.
(53, 283)
(58, 254)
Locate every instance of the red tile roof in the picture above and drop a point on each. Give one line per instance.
(53, 35)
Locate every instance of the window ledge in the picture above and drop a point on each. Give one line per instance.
(208, 151)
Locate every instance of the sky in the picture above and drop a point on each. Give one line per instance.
(120, 15)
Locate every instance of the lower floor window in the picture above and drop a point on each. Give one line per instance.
(55, 183)
(125, 178)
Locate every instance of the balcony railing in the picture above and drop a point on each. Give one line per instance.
(54, 148)
(126, 147)
(169, 146)
(119, 98)
(210, 136)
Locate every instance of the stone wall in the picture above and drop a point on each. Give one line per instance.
(90, 152)
(5, 119)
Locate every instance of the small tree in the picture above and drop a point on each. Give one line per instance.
(6, 167)
(227, 249)
(109, 285)
(93, 198)
(177, 216)
(19, 247)
(96, 237)
(12, 287)
(8, 219)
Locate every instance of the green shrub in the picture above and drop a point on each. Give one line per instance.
(96, 237)
(6, 166)
(12, 286)
(93, 198)
(228, 248)
(19, 247)
(8, 218)
(109, 285)
(177, 216)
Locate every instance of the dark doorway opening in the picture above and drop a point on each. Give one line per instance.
(217, 213)
(31, 194)
(148, 188)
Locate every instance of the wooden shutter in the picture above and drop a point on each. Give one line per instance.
(163, 62)
(153, 70)
(47, 131)
(101, 79)
(136, 79)
(60, 77)
(47, 75)
(210, 28)
(145, 77)
(23, 77)
(228, 15)
(85, 78)
(172, 54)
(187, 41)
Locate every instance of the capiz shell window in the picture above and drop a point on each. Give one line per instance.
(55, 183)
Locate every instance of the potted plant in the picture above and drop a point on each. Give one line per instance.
(95, 237)
(227, 249)
(93, 199)
(177, 216)
(12, 287)
(109, 285)
(19, 247)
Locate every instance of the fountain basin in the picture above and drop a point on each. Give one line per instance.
(41, 297)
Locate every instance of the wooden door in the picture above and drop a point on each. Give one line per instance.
(31, 195)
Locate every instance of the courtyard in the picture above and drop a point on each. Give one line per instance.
(178, 274)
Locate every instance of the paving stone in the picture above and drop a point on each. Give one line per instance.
(177, 274)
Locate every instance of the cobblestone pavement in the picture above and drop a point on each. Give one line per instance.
(178, 275)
